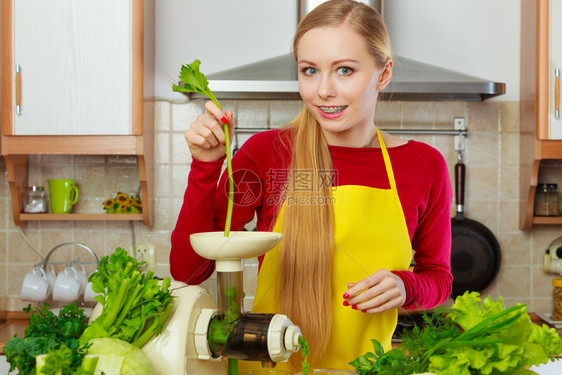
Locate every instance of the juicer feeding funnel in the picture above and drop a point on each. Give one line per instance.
(229, 251)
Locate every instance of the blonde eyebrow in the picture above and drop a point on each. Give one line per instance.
(337, 62)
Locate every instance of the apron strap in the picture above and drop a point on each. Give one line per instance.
(387, 163)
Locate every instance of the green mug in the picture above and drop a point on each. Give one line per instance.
(63, 194)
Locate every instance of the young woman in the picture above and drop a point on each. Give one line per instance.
(353, 203)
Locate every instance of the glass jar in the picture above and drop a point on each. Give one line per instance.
(35, 200)
(546, 200)
(557, 299)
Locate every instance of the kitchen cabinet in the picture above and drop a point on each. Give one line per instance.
(77, 78)
(541, 126)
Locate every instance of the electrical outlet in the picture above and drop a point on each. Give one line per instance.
(146, 253)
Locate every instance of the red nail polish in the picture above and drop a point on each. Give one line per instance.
(354, 307)
(345, 303)
(224, 120)
(346, 295)
(363, 311)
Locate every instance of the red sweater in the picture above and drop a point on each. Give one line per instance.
(260, 169)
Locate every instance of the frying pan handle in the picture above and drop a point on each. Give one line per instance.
(459, 186)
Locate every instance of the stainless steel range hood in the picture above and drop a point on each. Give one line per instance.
(276, 78)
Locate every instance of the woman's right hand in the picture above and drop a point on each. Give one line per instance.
(205, 137)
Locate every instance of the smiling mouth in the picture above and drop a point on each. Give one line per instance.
(333, 109)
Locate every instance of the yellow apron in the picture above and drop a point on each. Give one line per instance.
(370, 234)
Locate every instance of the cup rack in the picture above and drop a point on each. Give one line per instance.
(46, 262)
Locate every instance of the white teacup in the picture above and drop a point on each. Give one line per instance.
(52, 277)
(83, 279)
(35, 286)
(89, 294)
(68, 286)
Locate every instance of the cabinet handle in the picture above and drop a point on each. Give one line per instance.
(557, 93)
(18, 89)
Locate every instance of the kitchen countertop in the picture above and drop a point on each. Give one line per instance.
(17, 321)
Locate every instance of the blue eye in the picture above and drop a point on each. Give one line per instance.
(344, 70)
(309, 71)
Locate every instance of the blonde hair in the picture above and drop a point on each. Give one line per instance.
(305, 264)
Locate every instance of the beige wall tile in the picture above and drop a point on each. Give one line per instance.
(162, 148)
(180, 150)
(481, 183)
(542, 282)
(3, 248)
(162, 220)
(482, 116)
(514, 248)
(3, 279)
(483, 211)
(19, 251)
(5, 208)
(512, 284)
(16, 273)
(183, 114)
(509, 112)
(282, 112)
(80, 160)
(509, 146)
(4, 190)
(114, 240)
(162, 188)
(508, 221)
(444, 113)
(509, 183)
(90, 181)
(253, 114)
(541, 305)
(180, 174)
(162, 116)
(388, 114)
(482, 149)
(417, 115)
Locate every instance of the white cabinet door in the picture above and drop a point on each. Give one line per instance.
(74, 58)
(555, 122)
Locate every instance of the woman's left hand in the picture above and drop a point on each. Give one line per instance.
(379, 292)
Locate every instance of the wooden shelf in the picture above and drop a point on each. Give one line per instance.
(16, 167)
(80, 217)
(547, 220)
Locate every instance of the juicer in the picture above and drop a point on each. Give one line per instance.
(207, 337)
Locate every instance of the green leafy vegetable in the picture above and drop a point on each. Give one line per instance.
(48, 332)
(195, 81)
(117, 357)
(135, 305)
(305, 366)
(475, 337)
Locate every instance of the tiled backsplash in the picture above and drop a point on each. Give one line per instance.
(492, 190)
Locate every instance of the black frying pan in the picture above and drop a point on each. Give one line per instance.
(475, 252)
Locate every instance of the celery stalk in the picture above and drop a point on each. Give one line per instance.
(195, 81)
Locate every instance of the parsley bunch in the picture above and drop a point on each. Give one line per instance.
(48, 332)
